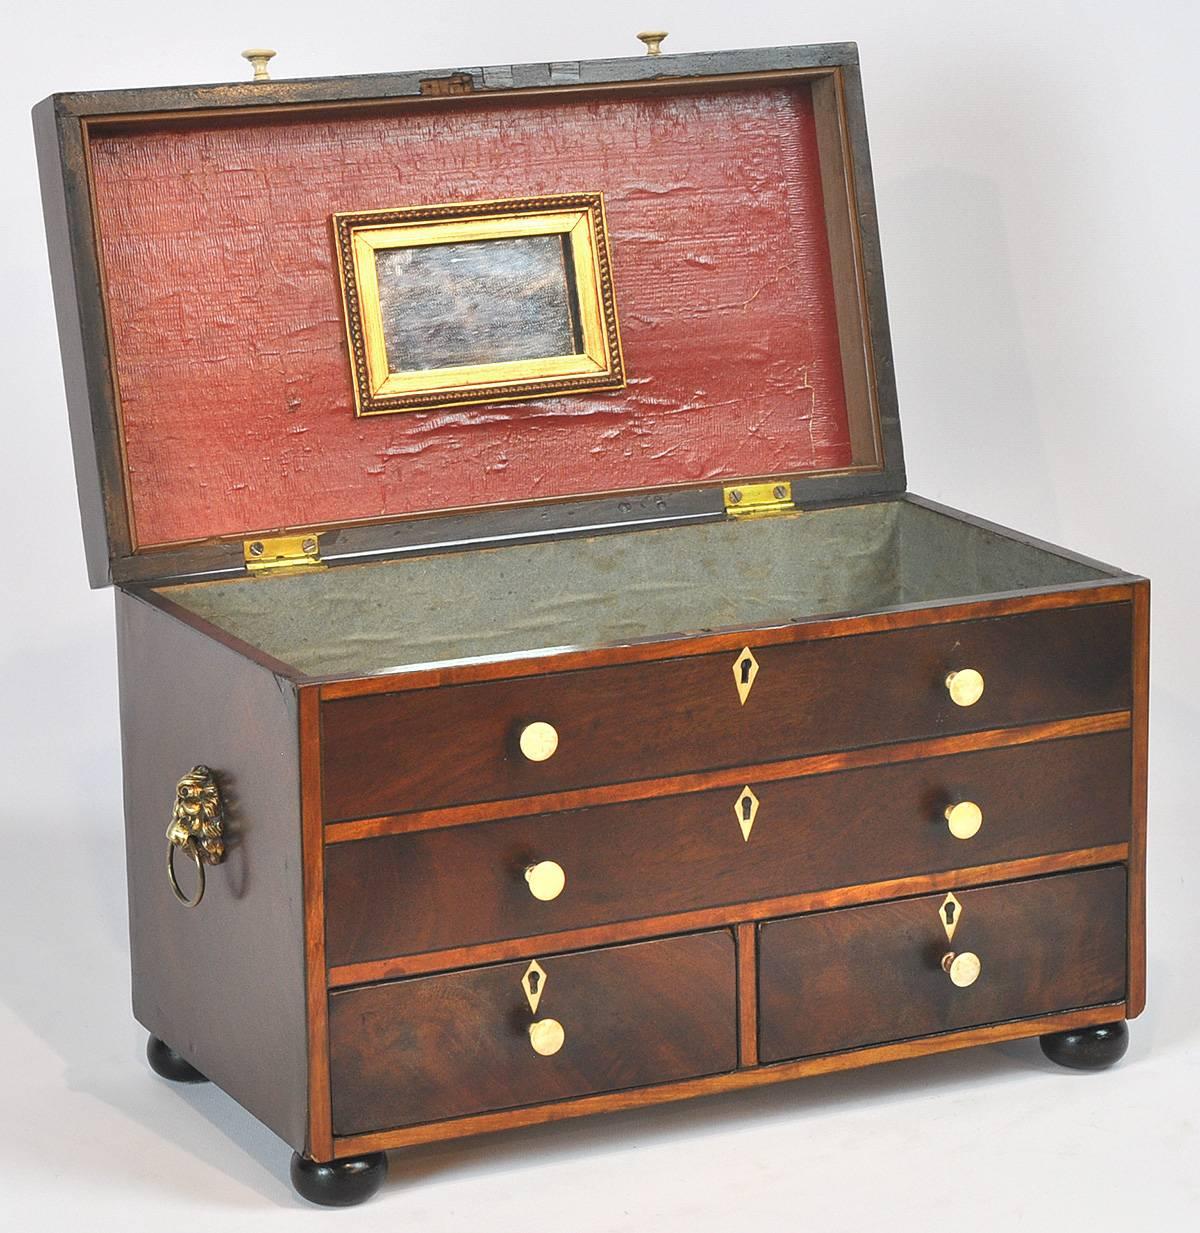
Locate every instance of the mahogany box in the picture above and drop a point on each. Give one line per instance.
(539, 693)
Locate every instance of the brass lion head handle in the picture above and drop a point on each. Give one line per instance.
(197, 827)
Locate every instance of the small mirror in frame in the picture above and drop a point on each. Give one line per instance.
(478, 302)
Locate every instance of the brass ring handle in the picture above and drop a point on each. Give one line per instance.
(965, 686)
(538, 741)
(964, 819)
(962, 969)
(546, 1036)
(194, 853)
(546, 880)
(198, 827)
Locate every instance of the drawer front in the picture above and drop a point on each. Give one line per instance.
(462, 885)
(861, 976)
(424, 749)
(435, 1047)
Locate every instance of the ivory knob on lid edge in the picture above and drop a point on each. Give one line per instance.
(258, 57)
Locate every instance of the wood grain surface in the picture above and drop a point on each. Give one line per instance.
(395, 753)
(747, 993)
(862, 976)
(444, 1046)
(730, 914)
(737, 1080)
(950, 610)
(312, 852)
(224, 983)
(464, 885)
(728, 777)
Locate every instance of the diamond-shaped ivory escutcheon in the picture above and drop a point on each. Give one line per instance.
(950, 913)
(746, 808)
(745, 669)
(534, 984)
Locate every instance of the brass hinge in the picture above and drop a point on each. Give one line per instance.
(289, 553)
(759, 500)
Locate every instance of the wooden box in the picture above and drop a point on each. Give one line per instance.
(580, 746)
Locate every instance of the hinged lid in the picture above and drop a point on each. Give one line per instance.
(558, 298)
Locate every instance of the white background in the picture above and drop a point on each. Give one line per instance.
(1036, 174)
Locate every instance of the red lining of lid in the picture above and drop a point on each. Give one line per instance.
(226, 317)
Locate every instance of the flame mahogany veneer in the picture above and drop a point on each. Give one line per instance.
(428, 749)
(836, 980)
(674, 853)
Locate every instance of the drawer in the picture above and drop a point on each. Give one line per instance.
(460, 744)
(462, 885)
(862, 976)
(435, 1047)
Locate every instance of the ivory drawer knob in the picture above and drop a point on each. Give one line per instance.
(962, 969)
(546, 880)
(964, 819)
(539, 740)
(546, 1036)
(965, 686)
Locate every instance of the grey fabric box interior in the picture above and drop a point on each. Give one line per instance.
(596, 591)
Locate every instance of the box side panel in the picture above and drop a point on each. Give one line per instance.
(224, 983)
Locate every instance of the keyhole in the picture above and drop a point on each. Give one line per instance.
(948, 912)
(747, 664)
(534, 980)
(746, 809)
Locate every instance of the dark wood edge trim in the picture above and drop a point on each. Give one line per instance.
(835, 156)
(557, 76)
(83, 337)
(609, 1102)
(1020, 537)
(320, 1116)
(156, 599)
(378, 541)
(877, 334)
(499, 525)
(907, 616)
(1135, 995)
(703, 781)
(747, 993)
(676, 83)
(719, 917)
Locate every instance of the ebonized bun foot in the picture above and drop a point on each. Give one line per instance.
(340, 1183)
(1089, 1048)
(166, 1062)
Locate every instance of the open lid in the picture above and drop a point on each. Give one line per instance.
(457, 307)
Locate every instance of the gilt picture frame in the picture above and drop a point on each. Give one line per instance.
(478, 301)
